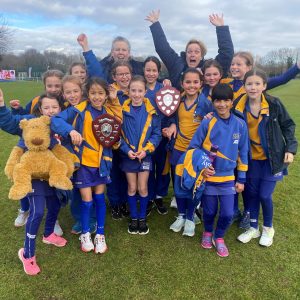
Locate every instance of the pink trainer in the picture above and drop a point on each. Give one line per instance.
(29, 264)
(221, 248)
(54, 239)
(206, 242)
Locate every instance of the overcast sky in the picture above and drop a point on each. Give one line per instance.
(256, 26)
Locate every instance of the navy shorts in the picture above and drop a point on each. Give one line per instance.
(128, 165)
(89, 176)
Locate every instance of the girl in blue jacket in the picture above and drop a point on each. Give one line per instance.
(95, 160)
(272, 147)
(141, 134)
(229, 133)
(42, 194)
(159, 177)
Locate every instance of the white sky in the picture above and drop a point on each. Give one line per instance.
(256, 26)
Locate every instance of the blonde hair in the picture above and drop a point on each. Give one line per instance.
(71, 78)
(200, 44)
(247, 56)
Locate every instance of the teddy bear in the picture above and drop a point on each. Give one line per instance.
(39, 162)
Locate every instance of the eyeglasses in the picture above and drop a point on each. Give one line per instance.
(123, 74)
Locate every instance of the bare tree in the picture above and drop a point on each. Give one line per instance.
(6, 35)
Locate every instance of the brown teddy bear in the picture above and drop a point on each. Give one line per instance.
(55, 166)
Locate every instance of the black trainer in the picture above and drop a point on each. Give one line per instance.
(149, 207)
(143, 228)
(133, 226)
(124, 210)
(116, 213)
(161, 209)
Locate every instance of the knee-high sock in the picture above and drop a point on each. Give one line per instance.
(100, 212)
(132, 201)
(143, 206)
(85, 215)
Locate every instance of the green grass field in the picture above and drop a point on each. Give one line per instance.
(162, 264)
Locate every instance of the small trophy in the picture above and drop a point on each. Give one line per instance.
(167, 100)
(106, 129)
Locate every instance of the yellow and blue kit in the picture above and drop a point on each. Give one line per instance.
(271, 135)
(233, 150)
(238, 88)
(80, 118)
(117, 189)
(189, 180)
(159, 177)
(140, 131)
(188, 122)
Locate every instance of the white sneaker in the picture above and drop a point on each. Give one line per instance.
(100, 244)
(197, 220)
(57, 229)
(189, 228)
(173, 203)
(86, 242)
(178, 224)
(267, 236)
(247, 236)
(21, 218)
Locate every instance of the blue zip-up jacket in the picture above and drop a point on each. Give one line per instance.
(188, 179)
(90, 152)
(10, 122)
(276, 131)
(231, 136)
(176, 64)
(103, 67)
(149, 122)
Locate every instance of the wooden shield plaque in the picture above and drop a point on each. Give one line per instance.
(167, 100)
(106, 130)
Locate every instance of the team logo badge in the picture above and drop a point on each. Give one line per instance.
(106, 130)
(167, 100)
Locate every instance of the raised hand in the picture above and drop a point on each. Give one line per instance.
(216, 20)
(15, 104)
(112, 92)
(153, 16)
(83, 42)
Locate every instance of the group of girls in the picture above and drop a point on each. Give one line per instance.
(136, 169)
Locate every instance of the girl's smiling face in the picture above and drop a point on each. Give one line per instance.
(72, 93)
(137, 92)
(122, 77)
(239, 68)
(191, 84)
(53, 86)
(254, 87)
(49, 107)
(80, 72)
(97, 96)
(151, 72)
(212, 76)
